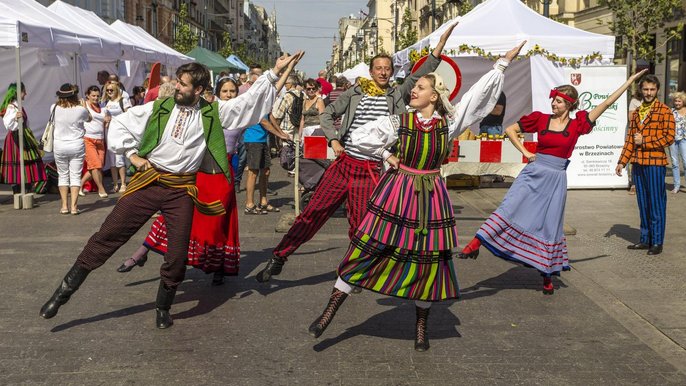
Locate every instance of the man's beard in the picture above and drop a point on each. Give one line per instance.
(184, 100)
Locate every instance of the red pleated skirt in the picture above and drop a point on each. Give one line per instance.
(214, 244)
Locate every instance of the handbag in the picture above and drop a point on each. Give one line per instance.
(287, 156)
(48, 138)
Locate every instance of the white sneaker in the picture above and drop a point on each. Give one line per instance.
(82, 193)
(675, 190)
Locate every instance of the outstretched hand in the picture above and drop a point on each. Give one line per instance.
(511, 54)
(444, 38)
(285, 60)
(638, 75)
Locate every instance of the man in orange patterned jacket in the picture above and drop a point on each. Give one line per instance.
(651, 130)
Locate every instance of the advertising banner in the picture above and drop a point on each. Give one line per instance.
(595, 156)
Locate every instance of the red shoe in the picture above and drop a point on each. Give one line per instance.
(548, 287)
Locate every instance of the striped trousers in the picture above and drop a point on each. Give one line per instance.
(130, 214)
(652, 202)
(346, 178)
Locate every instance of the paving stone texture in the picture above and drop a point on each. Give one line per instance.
(618, 318)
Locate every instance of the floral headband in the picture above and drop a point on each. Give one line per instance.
(555, 93)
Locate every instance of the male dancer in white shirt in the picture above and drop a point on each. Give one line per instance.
(168, 141)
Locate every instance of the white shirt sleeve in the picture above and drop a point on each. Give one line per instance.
(248, 108)
(375, 137)
(9, 119)
(126, 130)
(479, 101)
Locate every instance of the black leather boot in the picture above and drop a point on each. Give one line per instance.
(71, 282)
(273, 268)
(421, 341)
(165, 298)
(318, 326)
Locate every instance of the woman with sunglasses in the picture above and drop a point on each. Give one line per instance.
(114, 102)
(214, 245)
(313, 105)
(527, 228)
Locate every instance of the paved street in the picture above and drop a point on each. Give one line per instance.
(618, 318)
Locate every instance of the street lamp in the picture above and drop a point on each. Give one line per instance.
(375, 32)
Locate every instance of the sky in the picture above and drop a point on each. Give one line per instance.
(310, 25)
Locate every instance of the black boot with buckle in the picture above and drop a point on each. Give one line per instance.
(318, 326)
(71, 282)
(421, 341)
(273, 268)
(165, 298)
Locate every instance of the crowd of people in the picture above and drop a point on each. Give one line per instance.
(188, 141)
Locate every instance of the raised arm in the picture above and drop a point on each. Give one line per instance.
(444, 38)
(287, 71)
(602, 106)
(479, 101)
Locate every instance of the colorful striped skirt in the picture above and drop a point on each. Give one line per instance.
(403, 245)
(528, 226)
(10, 167)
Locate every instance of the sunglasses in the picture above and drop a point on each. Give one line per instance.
(110, 90)
(310, 88)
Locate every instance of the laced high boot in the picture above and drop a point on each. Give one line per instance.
(421, 341)
(318, 326)
(165, 298)
(273, 268)
(71, 282)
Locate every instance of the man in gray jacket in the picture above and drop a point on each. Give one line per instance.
(353, 176)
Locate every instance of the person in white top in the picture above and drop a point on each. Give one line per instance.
(69, 148)
(94, 140)
(168, 141)
(116, 103)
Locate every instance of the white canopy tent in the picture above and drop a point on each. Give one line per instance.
(359, 70)
(495, 26)
(173, 58)
(49, 47)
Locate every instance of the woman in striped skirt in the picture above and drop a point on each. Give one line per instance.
(10, 170)
(403, 245)
(527, 228)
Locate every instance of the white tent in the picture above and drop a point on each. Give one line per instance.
(174, 58)
(360, 70)
(495, 26)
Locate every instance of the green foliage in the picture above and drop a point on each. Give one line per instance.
(184, 39)
(408, 34)
(465, 6)
(226, 49)
(636, 21)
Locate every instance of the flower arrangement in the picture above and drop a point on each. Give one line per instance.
(535, 50)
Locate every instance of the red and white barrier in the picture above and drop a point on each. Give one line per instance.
(489, 151)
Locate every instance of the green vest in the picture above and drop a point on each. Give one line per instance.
(211, 125)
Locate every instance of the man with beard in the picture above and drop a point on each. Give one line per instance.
(168, 141)
(651, 130)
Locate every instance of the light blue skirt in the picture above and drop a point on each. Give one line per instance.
(528, 226)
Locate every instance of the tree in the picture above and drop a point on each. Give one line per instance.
(226, 49)
(408, 34)
(635, 23)
(184, 39)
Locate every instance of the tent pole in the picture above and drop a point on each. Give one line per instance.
(22, 172)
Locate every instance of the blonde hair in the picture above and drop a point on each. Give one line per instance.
(166, 90)
(117, 92)
(443, 105)
(678, 95)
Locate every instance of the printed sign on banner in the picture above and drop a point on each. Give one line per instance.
(595, 155)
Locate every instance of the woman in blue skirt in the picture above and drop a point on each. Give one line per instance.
(527, 228)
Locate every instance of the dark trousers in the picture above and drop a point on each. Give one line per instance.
(130, 214)
(652, 202)
(347, 178)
